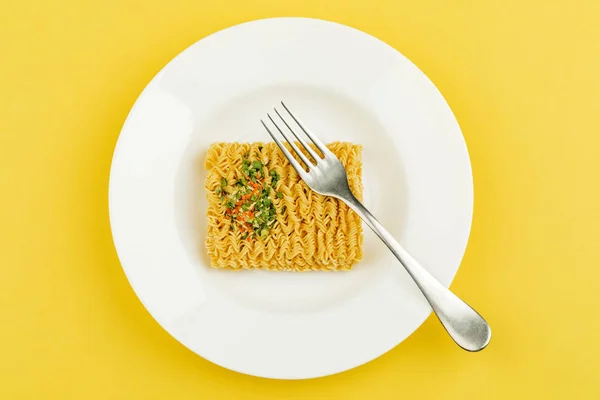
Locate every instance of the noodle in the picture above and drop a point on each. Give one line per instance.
(296, 229)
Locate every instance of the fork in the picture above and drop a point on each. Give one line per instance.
(327, 176)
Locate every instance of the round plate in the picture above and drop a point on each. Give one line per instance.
(344, 85)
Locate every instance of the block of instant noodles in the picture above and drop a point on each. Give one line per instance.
(261, 215)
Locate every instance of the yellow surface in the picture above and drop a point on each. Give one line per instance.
(523, 78)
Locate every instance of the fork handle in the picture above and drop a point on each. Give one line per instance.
(466, 327)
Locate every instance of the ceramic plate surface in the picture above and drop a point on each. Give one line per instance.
(345, 85)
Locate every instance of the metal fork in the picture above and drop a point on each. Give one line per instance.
(327, 176)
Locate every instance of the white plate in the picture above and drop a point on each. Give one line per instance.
(345, 85)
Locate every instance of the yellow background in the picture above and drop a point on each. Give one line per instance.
(522, 77)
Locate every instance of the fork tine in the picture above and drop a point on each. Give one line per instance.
(300, 154)
(309, 149)
(286, 152)
(308, 133)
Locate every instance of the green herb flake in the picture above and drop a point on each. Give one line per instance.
(223, 182)
(274, 178)
(279, 195)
